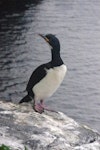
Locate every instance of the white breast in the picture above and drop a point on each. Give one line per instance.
(49, 84)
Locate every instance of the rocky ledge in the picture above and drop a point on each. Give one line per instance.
(20, 126)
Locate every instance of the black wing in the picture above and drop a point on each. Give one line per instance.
(37, 75)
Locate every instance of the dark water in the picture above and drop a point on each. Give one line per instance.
(77, 25)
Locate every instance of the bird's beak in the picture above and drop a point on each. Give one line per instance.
(44, 37)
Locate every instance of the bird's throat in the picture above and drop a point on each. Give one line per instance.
(56, 59)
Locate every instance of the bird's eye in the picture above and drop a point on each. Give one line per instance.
(48, 37)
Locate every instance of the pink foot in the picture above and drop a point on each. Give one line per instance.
(38, 108)
(46, 108)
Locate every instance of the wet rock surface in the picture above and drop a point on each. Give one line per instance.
(20, 126)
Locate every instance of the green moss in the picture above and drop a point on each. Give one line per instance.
(4, 147)
(26, 148)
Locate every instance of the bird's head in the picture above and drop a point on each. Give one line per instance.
(52, 41)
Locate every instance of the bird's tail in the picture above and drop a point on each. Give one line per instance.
(27, 98)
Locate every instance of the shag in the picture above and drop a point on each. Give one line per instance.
(46, 79)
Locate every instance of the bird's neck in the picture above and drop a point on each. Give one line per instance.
(56, 59)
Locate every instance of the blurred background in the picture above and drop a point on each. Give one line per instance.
(77, 25)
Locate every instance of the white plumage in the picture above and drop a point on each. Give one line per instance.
(48, 85)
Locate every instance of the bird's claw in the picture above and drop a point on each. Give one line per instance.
(38, 108)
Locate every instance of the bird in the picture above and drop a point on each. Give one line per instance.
(46, 78)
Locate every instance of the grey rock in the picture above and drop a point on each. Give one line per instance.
(20, 126)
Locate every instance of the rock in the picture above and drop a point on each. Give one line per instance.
(20, 126)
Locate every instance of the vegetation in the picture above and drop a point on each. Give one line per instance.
(4, 147)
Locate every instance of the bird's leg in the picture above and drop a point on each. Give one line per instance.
(46, 108)
(38, 107)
